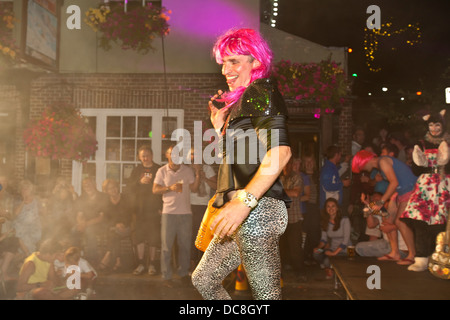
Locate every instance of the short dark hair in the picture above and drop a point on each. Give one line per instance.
(332, 151)
(399, 136)
(391, 148)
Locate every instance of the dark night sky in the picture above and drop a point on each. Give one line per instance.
(342, 22)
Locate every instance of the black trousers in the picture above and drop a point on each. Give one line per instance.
(311, 226)
(291, 247)
(424, 236)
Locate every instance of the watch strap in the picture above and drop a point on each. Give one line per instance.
(247, 198)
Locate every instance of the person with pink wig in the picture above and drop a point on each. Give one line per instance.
(252, 198)
(401, 185)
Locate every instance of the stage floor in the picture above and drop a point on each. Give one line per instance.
(388, 280)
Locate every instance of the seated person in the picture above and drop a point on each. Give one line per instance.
(90, 226)
(9, 247)
(119, 210)
(37, 276)
(380, 247)
(335, 235)
(72, 257)
(374, 233)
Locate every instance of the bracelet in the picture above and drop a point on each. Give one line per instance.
(247, 198)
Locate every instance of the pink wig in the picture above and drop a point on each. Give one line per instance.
(244, 42)
(360, 160)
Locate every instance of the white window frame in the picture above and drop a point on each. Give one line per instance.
(100, 155)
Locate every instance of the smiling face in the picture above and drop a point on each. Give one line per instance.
(237, 70)
(435, 128)
(331, 208)
(146, 157)
(309, 164)
(89, 187)
(112, 189)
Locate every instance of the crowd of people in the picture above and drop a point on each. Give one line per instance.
(164, 204)
(160, 204)
(368, 199)
(272, 221)
(388, 198)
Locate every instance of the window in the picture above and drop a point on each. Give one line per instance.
(120, 133)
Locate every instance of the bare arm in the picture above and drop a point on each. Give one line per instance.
(235, 212)
(269, 171)
(25, 274)
(306, 194)
(195, 185)
(294, 192)
(159, 189)
(217, 115)
(386, 165)
(372, 222)
(212, 182)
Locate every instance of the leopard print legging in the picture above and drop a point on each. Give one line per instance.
(255, 245)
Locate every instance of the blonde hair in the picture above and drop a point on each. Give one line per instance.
(72, 255)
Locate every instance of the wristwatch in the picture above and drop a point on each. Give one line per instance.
(247, 198)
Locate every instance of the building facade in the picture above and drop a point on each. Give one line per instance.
(130, 99)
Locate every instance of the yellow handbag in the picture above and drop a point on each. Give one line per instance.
(205, 234)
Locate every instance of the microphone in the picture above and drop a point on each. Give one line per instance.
(218, 104)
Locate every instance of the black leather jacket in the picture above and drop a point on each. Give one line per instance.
(260, 107)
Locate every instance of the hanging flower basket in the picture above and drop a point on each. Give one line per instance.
(323, 84)
(60, 133)
(8, 48)
(134, 29)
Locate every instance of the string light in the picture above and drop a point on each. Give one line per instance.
(274, 14)
(372, 38)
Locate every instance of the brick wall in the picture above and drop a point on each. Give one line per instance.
(188, 91)
(345, 129)
(10, 103)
